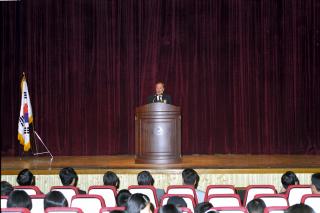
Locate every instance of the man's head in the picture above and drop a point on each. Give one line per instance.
(256, 206)
(177, 201)
(169, 208)
(122, 197)
(55, 199)
(203, 207)
(25, 178)
(190, 177)
(289, 178)
(19, 199)
(111, 179)
(145, 178)
(315, 181)
(300, 208)
(159, 87)
(68, 176)
(6, 188)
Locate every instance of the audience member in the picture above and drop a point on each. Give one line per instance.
(6, 188)
(69, 177)
(138, 203)
(169, 208)
(19, 199)
(144, 178)
(111, 179)
(191, 177)
(256, 206)
(289, 178)
(203, 207)
(122, 197)
(55, 199)
(300, 208)
(26, 178)
(177, 201)
(315, 183)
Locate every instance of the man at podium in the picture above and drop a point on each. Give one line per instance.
(159, 96)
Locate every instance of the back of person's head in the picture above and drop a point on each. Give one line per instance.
(256, 206)
(68, 176)
(138, 203)
(145, 178)
(315, 181)
(169, 208)
(190, 177)
(203, 207)
(300, 208)
(55, 199)
(6, 188)
(177, 201)
(19, 199)
(122, 197)
(111, 179)
(289, 178)
(25, 178)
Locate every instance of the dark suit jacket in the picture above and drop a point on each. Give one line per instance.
(153, 99)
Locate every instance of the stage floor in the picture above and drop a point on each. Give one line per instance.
(215, 163)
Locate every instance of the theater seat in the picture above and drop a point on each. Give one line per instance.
(189, 199)
(109, 209)
(231, 209)
(183, 189)
(14, 210)
(149, 191)
(4, 200)
(312, 200)
(275, 209)
(62, 210)
(67, 191)
(225, 200)
(252, 190)
(219, 189)
(37, 203)
(30, 190)
(295, 193)
(108, 193)
(273, 199)
(88, 203)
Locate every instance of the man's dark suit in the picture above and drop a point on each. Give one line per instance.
(164, 99)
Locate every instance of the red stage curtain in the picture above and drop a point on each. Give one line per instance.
(246, 73)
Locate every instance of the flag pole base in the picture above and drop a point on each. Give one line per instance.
(44, 145)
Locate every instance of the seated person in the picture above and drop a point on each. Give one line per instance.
(122, 197)
(144, 178)
(6, 188)
(191, 177)
(111, 179)
(19, 199)
(203, 207)
(55, 199)
(169, 208)
(300, 208)
(289, 178)
(177, 201)
(26, 178)
(315, 183)
(139, 203)
(159, 95)
(256, 206)
(69, 177)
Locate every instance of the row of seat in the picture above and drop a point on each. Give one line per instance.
(218, 195)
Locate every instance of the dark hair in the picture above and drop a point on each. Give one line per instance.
(67, 175)
(256, 206)
(289, 178)
(6, 188)
(203, 207)
(111, 179)
(122, 197)
(137, 202)
(169, 208)
(177, 201)
(19, 199)
(315, 180)
(25, 178)
(55, 199)
(145, 178)
(190, 177)
(300, 208)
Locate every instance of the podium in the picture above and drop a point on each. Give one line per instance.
(158, 134)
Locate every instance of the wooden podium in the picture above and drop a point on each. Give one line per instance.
(158, 134)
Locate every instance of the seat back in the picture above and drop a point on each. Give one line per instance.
(183, 189)
(30, 190)
(312, 200)
(109, 209)
(15, 210)
(67, 191)
(295, 193)
(225, 200)
(273, 199)
(219, 189)
(149, 191)
(88, 203)
(252, 190)
(275, 209)
(231, 209)
(37, 203)
(62, 210)
(108, 193)
(4, 200)
(189, 199)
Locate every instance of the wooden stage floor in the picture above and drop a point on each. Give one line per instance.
(229, 163)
